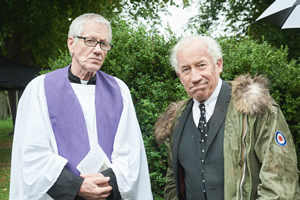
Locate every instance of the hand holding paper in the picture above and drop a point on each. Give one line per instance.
(94, 162)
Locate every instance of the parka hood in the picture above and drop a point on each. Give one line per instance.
(166, 121)
(250, 95)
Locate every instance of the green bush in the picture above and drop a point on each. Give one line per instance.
(141, 59)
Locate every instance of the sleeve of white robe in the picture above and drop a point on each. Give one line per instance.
(129, 161)
(35, 163)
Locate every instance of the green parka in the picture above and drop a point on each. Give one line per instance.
(259, 154)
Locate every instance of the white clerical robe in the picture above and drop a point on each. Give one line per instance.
(36, 164)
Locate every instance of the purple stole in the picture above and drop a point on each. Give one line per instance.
(68, 121)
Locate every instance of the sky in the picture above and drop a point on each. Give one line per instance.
(178, 17)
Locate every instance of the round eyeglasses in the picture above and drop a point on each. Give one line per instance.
(92, 42)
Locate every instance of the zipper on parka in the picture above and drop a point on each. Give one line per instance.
(244, 153)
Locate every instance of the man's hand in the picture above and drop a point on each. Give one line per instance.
(94, 186)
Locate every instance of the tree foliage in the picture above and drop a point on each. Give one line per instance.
(33, 30)
(241, 17)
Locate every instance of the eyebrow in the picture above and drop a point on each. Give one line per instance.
(200, 61)
(183, 66)
(95, 37)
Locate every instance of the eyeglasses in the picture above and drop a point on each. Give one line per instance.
(92, 42)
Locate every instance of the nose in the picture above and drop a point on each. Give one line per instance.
(97, 49)
(195, 76)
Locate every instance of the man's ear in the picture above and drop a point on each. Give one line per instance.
(71, 45)
(220, 65)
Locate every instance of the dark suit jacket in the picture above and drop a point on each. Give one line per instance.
(215, 134)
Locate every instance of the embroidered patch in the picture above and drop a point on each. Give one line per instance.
(280, 139)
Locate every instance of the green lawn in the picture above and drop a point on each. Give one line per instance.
(5, 154)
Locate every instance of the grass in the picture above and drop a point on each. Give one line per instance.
(5, 152)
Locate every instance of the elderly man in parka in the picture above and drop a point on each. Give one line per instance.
(247, 151)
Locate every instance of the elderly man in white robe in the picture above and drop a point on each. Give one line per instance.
(65, 114)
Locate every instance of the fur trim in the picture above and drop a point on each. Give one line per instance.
(251, 96)
(164, 126)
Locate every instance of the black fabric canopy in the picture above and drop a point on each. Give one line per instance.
(15, 76)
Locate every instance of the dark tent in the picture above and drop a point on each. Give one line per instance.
(15, 76)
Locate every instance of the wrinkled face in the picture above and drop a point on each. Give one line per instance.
(85, 58)
(197, 71)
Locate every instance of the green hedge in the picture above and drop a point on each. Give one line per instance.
(141, 59)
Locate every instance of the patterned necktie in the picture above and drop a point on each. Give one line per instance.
(203, 128)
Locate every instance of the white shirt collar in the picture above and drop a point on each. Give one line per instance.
(84, 82)
(210, 104)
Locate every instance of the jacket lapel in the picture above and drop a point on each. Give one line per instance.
(179, 127)
(219, 114)
(176, 139)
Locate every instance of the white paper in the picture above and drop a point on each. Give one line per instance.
(94, 162)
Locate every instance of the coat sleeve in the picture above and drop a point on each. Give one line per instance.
(66, 186)
(276, 152)
(115, 195)
(170, 188)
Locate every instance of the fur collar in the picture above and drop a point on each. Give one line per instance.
(250, 96)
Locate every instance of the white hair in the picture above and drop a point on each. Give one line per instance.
(213, 48)
(76, 26)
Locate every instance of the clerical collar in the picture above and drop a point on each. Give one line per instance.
(75, 79)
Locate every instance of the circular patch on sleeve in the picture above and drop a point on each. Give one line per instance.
(280, 139)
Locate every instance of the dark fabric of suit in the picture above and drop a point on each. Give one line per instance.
(189, 157)
(213, 157)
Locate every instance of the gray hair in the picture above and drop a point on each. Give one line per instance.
(78, 23)
(213, 48)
